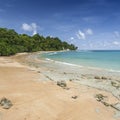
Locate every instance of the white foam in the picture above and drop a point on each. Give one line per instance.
(65, 63)
(53, 53)
(88, 67)
(75, 65)
(48, 59)
(114, 70)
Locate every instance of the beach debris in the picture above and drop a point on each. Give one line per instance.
(115, 84)
(91, 76)
(104, 78)
(5, 103)
(97, 77)
(74, 97)
(62, 83)
(38, 71)
(64, 73)
(106, 104)
(66, 88)
(116, 106)
(48, 77)
(99, 97)
(70, 80)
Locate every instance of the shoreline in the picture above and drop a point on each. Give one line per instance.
(76, 65)
(82, 75)
(86, 67)
(35, 95)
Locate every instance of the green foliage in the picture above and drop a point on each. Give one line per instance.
(11, 43)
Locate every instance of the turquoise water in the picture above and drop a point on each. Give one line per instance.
(109, 60)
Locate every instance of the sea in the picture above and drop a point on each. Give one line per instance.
(103, 59)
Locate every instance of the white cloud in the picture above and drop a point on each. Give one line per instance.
(81, 35)
(34, 26)
(26, 27)
(116, 43)
(117, 34)
(89, 31)
(72, 38)
(30, 27)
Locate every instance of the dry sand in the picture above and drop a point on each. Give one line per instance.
(36, 99)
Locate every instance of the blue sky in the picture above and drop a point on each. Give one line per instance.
(89, 24)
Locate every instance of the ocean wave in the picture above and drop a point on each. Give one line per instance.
(53, 53)
(85, 58)
(114, 70)
(81, 66)
(65, 63)
(48, 59)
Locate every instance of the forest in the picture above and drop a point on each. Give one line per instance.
(11, 43)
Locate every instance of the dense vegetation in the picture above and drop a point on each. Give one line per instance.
(11, 43)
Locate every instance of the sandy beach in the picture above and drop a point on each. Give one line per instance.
(35, 95)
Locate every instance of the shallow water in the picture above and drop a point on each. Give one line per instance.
(109, 60)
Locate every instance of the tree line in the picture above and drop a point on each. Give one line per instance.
(11, 43)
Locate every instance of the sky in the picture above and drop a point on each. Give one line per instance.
(88, 24)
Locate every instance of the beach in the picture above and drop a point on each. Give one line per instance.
(31, 84)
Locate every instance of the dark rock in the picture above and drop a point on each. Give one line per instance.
(5, 103)
(70, 80)
(66, 88)
(106, 104)
(115, 84)
(61, 83)
(99, 97)
(104, 78)
(97, 77)
(116, 106)
(75, 97)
